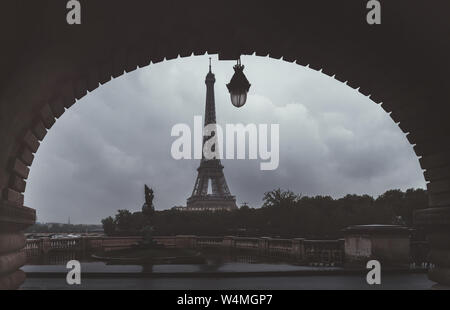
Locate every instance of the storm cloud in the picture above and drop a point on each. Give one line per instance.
(100, 153)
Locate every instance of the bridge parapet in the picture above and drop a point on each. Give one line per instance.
(311, 252)
(325, 252)
(209, 241)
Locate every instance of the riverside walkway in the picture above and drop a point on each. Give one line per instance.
(344, 282)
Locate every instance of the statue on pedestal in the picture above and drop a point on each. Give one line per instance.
(148, 209)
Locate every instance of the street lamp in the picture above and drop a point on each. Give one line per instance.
(238, 86)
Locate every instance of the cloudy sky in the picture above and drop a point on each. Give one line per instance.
(101, 152)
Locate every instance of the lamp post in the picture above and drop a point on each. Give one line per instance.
(238, 86)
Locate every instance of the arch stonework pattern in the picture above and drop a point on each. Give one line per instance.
(401, 64)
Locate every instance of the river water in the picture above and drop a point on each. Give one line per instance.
(218, 272)
(390, 282)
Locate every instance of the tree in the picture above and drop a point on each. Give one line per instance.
(124, 220)
(109, 226)
(279, 198)
(284, 214)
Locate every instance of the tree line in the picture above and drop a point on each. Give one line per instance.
(282, 214)
(62, 228)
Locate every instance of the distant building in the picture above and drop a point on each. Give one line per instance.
(179, 208)
(192, 209)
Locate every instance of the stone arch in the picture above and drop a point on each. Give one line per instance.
(378, 62)
(71, 92)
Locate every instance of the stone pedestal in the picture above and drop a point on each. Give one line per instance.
(389, 244)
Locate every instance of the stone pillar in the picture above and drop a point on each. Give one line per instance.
(435, 220)
(83, 245)
(13, 219)
(436, 223)
(263, 245)
(298, 249)
(45, 245)
(229, 242)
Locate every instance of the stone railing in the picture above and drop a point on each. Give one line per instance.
(326, 252)
(206, 242)
(280, 247)
(36, 247)
(246, 243)
(309, 252)
(315, 252)
(65, 244)
(169, 241)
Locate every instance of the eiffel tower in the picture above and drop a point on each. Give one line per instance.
(210, 172)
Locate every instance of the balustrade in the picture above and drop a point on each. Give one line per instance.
(312, 252)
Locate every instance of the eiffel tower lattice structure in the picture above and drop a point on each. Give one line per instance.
(211, 191)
